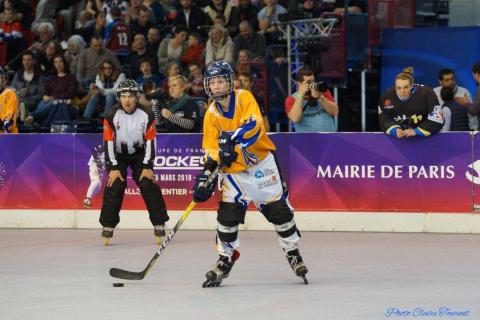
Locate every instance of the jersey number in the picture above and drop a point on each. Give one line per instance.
(123, 39)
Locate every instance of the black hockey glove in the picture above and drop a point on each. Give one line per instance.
(202, 193)
(227, 152)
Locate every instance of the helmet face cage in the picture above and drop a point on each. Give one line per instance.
(220, 95)
(128, 86)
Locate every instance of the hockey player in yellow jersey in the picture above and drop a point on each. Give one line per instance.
(8, 106)
(235, 139)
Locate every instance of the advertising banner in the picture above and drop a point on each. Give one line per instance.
(324, 172)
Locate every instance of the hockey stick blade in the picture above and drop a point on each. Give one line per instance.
(130, 275)
(126, 275)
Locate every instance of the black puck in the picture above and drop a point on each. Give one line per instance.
(118, 284)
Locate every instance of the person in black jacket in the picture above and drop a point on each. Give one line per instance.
(191, 16)
(408, 109)
(456, 115)
(29, 83)
(129, 139)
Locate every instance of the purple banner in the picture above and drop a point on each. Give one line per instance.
(345, 171)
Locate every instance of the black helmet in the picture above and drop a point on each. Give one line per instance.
(128, 86)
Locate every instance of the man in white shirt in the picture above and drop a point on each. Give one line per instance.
(446, 78)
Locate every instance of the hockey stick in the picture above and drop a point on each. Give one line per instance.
(130, 275)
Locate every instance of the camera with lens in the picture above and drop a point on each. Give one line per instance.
(318, 86)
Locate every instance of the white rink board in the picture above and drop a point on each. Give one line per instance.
(206, 220)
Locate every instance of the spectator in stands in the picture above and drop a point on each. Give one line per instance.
(133, 11)
(106, 7)
(21, 10)
(172, 70)
(190, 16)
(456, 115)
(266, 18)
(182, 113)
(11, 33)
(248, 12)
(219, 45)
(60, 87)
(103, 91)
(139, 52)
(157, 10)
(153, 40)
(91, 59)
(147, 74)
(117, 34)
(248, 39)
(45, 12)
(46, 58)
(171, 49)
(75, 45)
(245, 65)
(95, 28)
(86, 15)
(195, 50)
(311, 109)
(29, 83)
(224, 8)
(310, 9)
(142, 23)
(246, 83)
(195, 80)
(446, 78)
(408, 109)
(354, 6)
(45, 33)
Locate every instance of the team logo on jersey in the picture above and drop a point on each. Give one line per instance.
(259, 174)
(249, 158)
(436, 115)
(117, 125)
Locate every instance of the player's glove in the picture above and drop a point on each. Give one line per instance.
(201, 192)
(227, 152)
(2, 124)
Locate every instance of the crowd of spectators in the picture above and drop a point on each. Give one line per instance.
(76, 52)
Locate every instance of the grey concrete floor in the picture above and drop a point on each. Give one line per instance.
(63, 274)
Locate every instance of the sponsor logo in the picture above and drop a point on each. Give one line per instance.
(117, 125)
(259, 174)
(473, 175)
(178, 162)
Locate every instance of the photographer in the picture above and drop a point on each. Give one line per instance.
(312, 108)
(179, 113)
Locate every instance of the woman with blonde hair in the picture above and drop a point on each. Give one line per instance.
(219, 45)
(103, 91)
(408, 109)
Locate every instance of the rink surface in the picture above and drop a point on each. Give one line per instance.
(63, 274)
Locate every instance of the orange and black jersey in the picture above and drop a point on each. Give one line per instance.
(127, 134)
(420, 112)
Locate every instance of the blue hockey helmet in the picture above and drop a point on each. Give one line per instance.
(218, 69)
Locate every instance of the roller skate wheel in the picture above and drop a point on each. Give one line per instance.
(106, 241)
(158, 240)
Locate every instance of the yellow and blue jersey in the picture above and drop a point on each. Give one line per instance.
(244, 120)
(8, 110)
